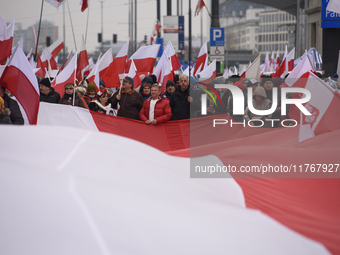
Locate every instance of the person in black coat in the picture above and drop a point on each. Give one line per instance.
(170, 89)
(47, 93)
(181, 99)
(4, 113)
(12, 105)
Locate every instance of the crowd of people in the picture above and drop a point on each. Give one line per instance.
(147, 104)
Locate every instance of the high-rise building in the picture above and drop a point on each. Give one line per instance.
(47, 29)
(276, 30)
(241, 29)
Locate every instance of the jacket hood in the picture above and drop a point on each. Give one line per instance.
(147, 80)
(259, 91)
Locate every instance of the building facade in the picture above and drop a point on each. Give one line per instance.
(276, 30)
(241, 29)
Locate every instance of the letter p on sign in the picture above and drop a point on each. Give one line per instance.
(217, 34)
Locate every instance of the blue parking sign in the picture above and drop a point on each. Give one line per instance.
(217, 36)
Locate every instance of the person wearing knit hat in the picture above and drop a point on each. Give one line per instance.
(260, 102)
(91, 87)
(170, 87)
(102, 85)
(4, 113)
(145, 88)
(83, 84)
(90, 93)
(47, 93)
(169, 90)
(154, 78)
(81, 92)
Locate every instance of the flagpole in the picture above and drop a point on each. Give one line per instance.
(74, 93)
(87, 23)
(201, 29)
(74, 38)
(189, 39)
(36, 47)
(64, 31)
(121, 84)
(208, 11)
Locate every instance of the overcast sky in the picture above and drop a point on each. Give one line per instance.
(115, 18)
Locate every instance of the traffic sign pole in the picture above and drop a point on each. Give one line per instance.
(217, 45)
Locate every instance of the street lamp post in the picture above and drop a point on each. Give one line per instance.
(215, 22)
(101, 2)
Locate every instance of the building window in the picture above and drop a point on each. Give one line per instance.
(50, 31)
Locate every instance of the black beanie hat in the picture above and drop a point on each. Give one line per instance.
(154, 78)
(170, 83)
(46, 82)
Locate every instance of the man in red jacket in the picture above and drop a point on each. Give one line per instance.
(156, 109)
